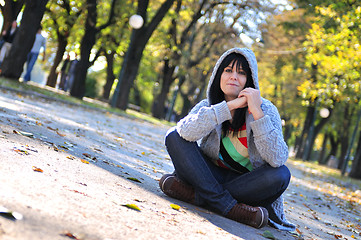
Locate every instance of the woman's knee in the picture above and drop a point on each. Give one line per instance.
(284, 175)
(171, 136)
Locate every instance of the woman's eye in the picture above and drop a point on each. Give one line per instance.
(228, 70)
(242, 72)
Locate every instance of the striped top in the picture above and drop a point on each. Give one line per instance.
(234, 151)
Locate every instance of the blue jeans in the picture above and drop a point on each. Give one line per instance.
(221, 188)
(30, 64)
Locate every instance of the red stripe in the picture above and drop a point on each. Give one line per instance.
(243, 140)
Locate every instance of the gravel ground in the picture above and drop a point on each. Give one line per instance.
(73, 172)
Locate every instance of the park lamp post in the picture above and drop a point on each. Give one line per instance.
(135, 21)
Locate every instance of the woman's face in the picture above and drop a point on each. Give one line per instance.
(233, 81)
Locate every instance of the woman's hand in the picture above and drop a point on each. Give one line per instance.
(239, 102)
(253, 100)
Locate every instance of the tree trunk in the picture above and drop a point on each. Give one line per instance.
(334, 148)
(300, 142)
(62, 43)
(110, 75)
(356, 164)
(13, 64)
(87, 43)
(138, 41)
(159, 103)
(321, 158)
(186, 105)
(344, 135)
(317, 129)
(10, 12)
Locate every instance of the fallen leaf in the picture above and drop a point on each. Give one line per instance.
(132, 206)
(60, 134)
(175, 207)
(84, 161)
(36, 169)
(70, 235)
(268, 234)
(26, 134)
(53, 129)
(87, 155)
(134, 179)
(4, 212)
(21, 151)
(97, 149)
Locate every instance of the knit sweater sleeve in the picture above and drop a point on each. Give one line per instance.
(202, 119)
(268, 136)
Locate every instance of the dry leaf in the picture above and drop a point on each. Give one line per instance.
(84, 161)
(36, 169)
(26, 134)
(60, 134)
(70, 235)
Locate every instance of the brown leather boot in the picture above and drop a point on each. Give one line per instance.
(175, 188)
(253, 216)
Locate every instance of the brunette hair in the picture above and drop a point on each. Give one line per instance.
(216, 94)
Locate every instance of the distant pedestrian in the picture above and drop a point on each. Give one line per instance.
(8, 38)
(71, 73)
(40, 42)
(64, 72)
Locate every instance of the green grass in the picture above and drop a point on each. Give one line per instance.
(60, 95)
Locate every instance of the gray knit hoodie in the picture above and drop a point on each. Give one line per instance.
(264, 136)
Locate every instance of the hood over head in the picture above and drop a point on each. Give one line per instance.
(251, 59)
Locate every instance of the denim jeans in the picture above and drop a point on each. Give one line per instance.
(219, 188)
(32, 57)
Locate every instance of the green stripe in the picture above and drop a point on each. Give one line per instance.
(235, 155)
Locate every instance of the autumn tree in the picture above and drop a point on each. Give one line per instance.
(59, 19)
(92, 30)
(332, 46)
(133, 56)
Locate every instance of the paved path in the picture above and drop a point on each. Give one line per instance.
(69, 170)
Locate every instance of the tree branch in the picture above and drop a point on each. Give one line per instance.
(111, 16)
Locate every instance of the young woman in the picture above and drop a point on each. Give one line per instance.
(238, 168)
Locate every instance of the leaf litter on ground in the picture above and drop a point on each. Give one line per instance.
(4, 212)
(132, 206)
(26, 134)
(134, 179)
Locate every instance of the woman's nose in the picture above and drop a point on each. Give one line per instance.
(234, 75)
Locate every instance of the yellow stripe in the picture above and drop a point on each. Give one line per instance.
(242, 150)
(235, 155)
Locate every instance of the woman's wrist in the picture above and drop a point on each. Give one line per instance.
(257, 114)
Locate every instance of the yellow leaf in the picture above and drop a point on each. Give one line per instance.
(84, 161)
(175, 207)
(132, 206)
